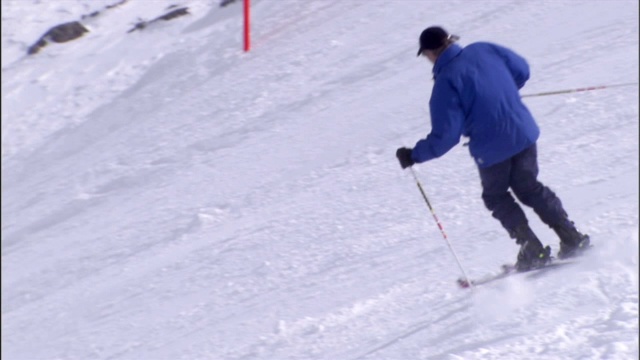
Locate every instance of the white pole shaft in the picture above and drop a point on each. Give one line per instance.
(424, 196)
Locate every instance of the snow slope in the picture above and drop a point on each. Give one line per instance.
(167, 196)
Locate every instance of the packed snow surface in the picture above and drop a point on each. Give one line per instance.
(166, 195)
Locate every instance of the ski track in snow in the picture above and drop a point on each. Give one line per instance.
(166, 196)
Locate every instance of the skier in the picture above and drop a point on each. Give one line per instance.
(475, 94)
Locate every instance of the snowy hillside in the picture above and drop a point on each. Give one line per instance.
(167, 196)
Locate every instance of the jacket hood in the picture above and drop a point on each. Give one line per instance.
(449, 54)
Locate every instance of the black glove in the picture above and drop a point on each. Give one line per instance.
(404, 156)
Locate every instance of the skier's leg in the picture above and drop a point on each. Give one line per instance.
(544, 202)
(531, 192)
(497, 198)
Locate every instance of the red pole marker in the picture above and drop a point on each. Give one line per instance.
(247, 27)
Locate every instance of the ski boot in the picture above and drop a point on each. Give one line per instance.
(532, 253)
(572, 242)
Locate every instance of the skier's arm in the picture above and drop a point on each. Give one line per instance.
(447, 119)
(516, 64)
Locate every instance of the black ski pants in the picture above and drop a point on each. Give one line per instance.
(520, 174)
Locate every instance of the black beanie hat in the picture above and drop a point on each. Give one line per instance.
(432, 38)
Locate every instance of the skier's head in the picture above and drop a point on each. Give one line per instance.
(433, 40)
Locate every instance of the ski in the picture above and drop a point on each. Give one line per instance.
(509, 270)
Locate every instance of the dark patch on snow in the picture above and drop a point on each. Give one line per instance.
(59, 34)
(67, 31)
(166, 17)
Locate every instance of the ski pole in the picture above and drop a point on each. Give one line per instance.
(435, 217)
(577, 90)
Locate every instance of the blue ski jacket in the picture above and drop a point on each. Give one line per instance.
(476, 95)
